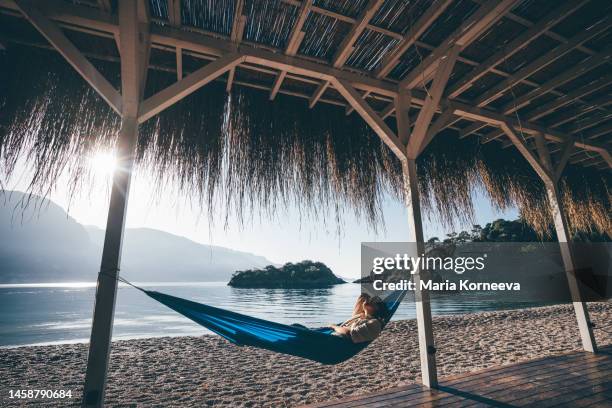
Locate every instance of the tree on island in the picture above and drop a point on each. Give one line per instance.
(302, 275)
(517, 230)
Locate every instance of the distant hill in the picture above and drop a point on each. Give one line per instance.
(301, 275)
(41, 243)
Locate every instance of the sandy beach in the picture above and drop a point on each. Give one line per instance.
(208, 371)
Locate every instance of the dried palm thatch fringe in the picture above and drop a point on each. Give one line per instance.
(247, 154)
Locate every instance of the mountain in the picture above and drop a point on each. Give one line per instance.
(42, 243)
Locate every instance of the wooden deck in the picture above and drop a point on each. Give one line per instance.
(570, 380)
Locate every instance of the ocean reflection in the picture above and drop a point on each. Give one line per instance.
(54, 314)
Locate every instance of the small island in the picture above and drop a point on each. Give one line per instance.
(302, 275)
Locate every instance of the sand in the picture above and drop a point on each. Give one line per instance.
(208, 371)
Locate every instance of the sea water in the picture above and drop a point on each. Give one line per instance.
(61, 313)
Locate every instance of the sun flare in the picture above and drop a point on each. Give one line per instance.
(103, 163)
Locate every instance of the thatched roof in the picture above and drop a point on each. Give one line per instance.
(250, 153)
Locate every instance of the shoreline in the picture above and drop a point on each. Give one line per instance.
(208, 371)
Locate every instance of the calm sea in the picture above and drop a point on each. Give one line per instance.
(61, 313)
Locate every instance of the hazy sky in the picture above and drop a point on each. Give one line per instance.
(282, 239)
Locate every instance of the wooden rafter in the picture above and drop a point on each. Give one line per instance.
(514, 46)
(371, 117)
(543, 61)
(238, 24)
(487, 15)
(74, 57)
(191, 83)
(174, 13)
(588, 64)
(295, 39)
(418, 141)
(346, 46)
(390, 61)
(558, 103)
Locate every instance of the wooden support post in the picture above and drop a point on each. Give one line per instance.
(544, 167)
(133, 69)
(427, 350)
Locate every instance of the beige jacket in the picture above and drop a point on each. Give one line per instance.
(363, 329)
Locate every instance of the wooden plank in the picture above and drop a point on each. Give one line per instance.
(174, 13)
(238, 22)
(550, 107)
(346, 46)
(543, 61)
(521, 146)
(402, 106)
(179, 63)
(368, 114)
(415, 144)
(588, 64)
(318, 93)
(566, 152)
(392, 58)
(74, 57)
(487, 15)
(191, 83)
(295, 39)
(514, 46)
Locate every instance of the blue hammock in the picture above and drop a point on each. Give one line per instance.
(313, 344)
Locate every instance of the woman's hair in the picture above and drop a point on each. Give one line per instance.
(381, 308)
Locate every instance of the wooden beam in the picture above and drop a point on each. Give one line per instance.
(346, 46)
(368, 114)
(390, 60)
(521, 146)
(349, 108)
(479, 22)
(599, 131)
(566, 152)
(585, 107)
(74, 57)
(179, 63)
(238, 22)
(558, 103)
(588, 64)
(318, 93)
(514, 46)
(474, 127)
(543, 61)
(236, 34)
(402, 107)
(277, 84)
(496, 119)
(432, 101)
(174, 13)
(191, 83)
(295, 40)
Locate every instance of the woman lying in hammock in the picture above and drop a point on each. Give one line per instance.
(366, 322)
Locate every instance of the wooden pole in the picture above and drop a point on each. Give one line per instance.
(543, 165)
(427, 349)
(106, 289)
(134, 63)
(561, 227)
